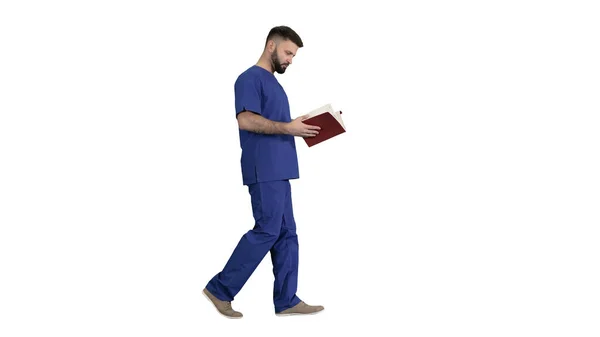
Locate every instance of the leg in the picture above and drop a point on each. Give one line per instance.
(268, 208)
(284, 256)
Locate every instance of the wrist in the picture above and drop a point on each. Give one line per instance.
(285, 128)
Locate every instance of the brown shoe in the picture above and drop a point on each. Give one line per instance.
(301, 309)
(224, 307)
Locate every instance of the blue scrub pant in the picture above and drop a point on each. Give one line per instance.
(275, 232)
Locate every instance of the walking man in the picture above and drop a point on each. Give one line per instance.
(268, 162)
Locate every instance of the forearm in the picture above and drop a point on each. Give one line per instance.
(256, 123)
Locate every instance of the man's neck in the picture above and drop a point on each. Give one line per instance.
(265, 64)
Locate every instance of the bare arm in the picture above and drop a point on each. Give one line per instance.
(250, 121)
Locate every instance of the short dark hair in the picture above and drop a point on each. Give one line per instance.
(286, 33)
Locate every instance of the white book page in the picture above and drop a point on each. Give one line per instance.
(324, 108)
(327, 108)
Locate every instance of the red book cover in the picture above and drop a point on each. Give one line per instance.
(330, 127)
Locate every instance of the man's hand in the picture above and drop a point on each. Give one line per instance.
(299, 129)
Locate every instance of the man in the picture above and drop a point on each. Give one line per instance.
(268, 162)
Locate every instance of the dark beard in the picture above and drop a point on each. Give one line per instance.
(276, 64)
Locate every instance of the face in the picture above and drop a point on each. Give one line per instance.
(282, 55)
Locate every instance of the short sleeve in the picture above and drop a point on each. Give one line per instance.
(247, 94)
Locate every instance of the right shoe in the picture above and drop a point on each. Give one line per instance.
(224, 307)
(301, 309)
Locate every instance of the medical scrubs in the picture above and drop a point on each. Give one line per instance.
(268, 162)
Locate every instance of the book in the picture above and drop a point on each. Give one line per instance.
(329, 120)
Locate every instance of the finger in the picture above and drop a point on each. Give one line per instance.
(311, 128)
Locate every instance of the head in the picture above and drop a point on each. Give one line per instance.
(281, 47)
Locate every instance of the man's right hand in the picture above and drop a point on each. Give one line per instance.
(299, 129)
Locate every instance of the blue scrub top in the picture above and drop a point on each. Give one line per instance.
(265, 157)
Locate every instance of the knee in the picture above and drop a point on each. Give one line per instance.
(258, 236)
(266, 230)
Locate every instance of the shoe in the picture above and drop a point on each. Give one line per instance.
(224, 307)
(301, 309)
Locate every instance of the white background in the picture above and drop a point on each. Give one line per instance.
(463, 200)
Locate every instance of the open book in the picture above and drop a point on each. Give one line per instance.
(330, 122)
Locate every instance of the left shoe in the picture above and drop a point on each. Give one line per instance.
(301, 309)
(224, 307)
